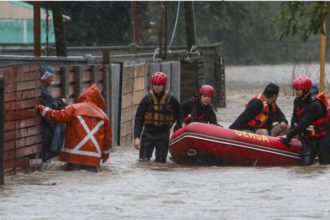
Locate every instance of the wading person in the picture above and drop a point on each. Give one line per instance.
(88, 130)
(52, 133)
(199, 108)
(262, 115)
(155, 116)
(309, 123)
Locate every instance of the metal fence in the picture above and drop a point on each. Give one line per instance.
(198, 67)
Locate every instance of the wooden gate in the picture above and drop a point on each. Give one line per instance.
(133, 90)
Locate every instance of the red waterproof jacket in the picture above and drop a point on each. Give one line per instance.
(88, 130)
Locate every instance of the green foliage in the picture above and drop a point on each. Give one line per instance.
(302, 18)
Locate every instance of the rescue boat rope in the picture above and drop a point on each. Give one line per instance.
(175, 25)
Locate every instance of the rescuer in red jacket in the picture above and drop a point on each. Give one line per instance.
(309, 122)
(88, 130)
(200, 108)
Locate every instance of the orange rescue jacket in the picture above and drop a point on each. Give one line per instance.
(88, 130)
(318, 129)
(260, 120)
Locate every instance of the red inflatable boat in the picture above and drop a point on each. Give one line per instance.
(199, 143)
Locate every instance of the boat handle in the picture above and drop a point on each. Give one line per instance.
(192, 152)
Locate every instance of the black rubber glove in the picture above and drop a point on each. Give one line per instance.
(286, 141)
(61, 103)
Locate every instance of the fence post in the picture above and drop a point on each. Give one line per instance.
(175, 79)
(2, 144)
(106, 57)
(94, 78)
(220, 76)
(65, 82)
(107, 88)
(78, 81)
(116, 71)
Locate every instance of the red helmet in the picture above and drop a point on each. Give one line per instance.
(302, 82)
(158, 78)
(206, 90)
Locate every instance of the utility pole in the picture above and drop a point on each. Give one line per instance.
(322, 53)
(162, 33)
(136, 34)
(190, 24)
(59, 28)
(36, 27)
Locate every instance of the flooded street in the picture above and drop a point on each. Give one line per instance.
(127, 189)
(132, 190)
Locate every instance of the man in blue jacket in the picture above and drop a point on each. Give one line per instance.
(53, 133)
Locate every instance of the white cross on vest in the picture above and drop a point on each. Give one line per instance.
(89, 136)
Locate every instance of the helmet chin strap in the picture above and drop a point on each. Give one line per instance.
(305, 93)
(160, 94)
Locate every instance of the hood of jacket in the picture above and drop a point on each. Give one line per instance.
(92, 94)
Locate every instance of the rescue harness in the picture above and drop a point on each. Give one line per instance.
(317, 128)
(159, 113)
